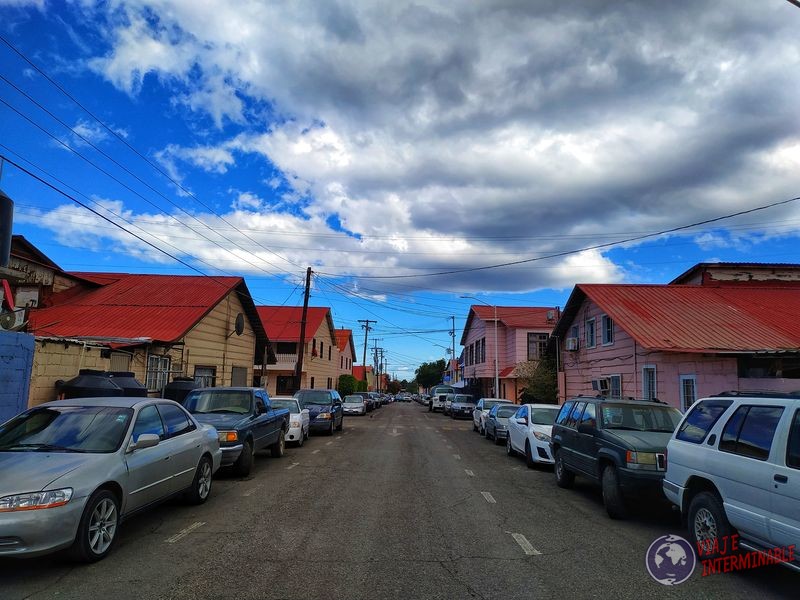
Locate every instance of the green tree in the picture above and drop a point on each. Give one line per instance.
(347, 385)
(430, 373)
(362, 385)
(394, 386)
(539, 381)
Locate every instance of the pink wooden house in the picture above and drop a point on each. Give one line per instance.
(680, 342)
(522, 334)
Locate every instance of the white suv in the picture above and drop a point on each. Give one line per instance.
(733, 466)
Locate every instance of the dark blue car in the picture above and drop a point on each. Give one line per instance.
(324, 409)
(245, 420)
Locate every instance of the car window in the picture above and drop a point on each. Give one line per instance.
(564, 412)
(307, 397)
(504, 412)
(522, 413)
(575, 415)
(793, 446)
(543, 416)
(219, 401)
(645, 416)
(589, 415)
(750, 431)
(175, 419)
(148, 421)
(701, 419)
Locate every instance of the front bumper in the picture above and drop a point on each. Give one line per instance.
(230, 454)
(461, 414)
(321, 425)
(501, 434)
(294, 434)
(541, 452)
(37, 532)
(640, 482)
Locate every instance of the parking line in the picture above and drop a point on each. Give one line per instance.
(525, 544)
(184, 532)
(328, 443)
(468, 472)
(315, 451)
(292, 466)
(457, 456)
(488, 497)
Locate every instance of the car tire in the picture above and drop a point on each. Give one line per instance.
(509, 448)
(430, 407)
(302, 438)
(278, 449)
(244, 464)
(341, 424)
(332, 428)
(529, 455)
(497, 440)
(474, 427)
(99, 522)
(707, 521)
(612, 494)
(200, 490)
(564, 477)
(486, 433)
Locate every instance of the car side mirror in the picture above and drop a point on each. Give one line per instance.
(586, 428)
(146, 440)
(522, 421)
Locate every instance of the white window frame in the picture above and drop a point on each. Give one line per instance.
(603, 320)
(590, 326)
(157, 374)
(610, 379)
(682, 379)
(652, 368)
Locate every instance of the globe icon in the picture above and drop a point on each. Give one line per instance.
(670, 560)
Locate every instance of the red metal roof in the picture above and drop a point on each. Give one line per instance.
(689, 318)
(523, 317)
(283, 322)
(156, 307)
(343, 336)
(506, 372)
(358, 372)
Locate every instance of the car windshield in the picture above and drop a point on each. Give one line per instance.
(544, 416)
(640, 417)
(312, 397)
(464, 399)
(353, 400)
(91, 429)
(218, 401)
(487, 404)
(505, 412)
(290, 404)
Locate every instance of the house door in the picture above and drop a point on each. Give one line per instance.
(285, 385)
(239, 376)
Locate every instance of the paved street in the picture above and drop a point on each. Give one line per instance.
(402, 504)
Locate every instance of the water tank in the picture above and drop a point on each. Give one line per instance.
(6, 223)
(179, 388)
(89, 384)
(127, 381)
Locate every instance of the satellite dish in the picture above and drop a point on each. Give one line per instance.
(239, 327)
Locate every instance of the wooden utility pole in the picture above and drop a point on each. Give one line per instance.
(366, 329)
(298, 370)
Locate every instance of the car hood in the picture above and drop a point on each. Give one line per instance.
(221, 420)
(22, 472)
(642, 441)
(315, 409)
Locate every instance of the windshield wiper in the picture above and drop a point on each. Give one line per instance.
(43, 447)
(624, 428)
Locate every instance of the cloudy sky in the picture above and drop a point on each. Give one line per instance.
(378, 139)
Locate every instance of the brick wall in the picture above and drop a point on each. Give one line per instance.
(16, 358)
(54, 360)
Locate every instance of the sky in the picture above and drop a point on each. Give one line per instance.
(403, 150)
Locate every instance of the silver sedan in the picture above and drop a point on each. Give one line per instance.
(72, 470)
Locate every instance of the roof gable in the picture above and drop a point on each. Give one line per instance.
(282, 323)
(343, 338)
(518, 317)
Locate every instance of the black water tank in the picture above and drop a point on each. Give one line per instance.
(127, 381)
(89, 384)
(179, 388)
(6, 225)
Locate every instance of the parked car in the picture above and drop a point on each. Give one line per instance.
(324, 408)
(482, 408)
(496, 422)
(355, 405)
(620, 444)
(448, 402)
(529, 432)
(299, 421)
(734, 468)
(438, 395)
(461, 406)
(368, 399)
(72, 470)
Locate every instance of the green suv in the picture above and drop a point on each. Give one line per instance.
(619, 444)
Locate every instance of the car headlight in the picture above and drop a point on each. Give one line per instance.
(294, 423)
(542, 437)
(324, 415)
(641, 460)
(35, 500)
(228, 436)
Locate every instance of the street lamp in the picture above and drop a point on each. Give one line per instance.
(496, 351)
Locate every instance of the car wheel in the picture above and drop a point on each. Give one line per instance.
(529, 455)
(509, 449)
(97, 530)
(486, 433)
(612, 494)
(332, 428)
(707, 522)
(244, 463)
(496, 439)
(430, 407)
(341, 424)
(564, 478)
(278, 449)
(302, 438)
(482, 430)
(474, 427)
(201, 486)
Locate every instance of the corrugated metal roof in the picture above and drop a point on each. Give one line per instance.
(358, 372)
(283, 322)
(525, 317)
(160, 307)
(688, 318)
(506, 372)
(342, 337)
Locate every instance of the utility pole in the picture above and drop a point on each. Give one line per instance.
(375, 364)
(365, 326)
(298, 369)
(382, 364)
(453, 350)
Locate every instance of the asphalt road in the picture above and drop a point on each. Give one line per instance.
(401, 504)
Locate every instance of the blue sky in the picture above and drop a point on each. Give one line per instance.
(386, 139)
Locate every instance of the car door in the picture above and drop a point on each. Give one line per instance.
(184, 443)
(149, 469)
(570, 437)
(585, 450)
(264, 423)
(784, 523)
(517, 431)
(337, 411)
(476, 414)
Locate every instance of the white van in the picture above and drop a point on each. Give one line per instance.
(438, 395)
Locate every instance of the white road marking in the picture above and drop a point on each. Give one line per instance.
(457, 456)
(315, 451)
(488, 497)
(449, 447)
(525, 544)
(328, 443)
(468, 472)
(184, 532)
(395, 433)
(338, 437)
(252, 491)
(292, 466)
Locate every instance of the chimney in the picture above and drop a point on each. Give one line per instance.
(6, 222)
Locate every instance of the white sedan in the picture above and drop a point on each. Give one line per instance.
(529, 432)
(299, 421)
(481, 411)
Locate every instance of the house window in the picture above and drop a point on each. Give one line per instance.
(157, 372)
(471, 354)
(314, 347)
(537, 345)
(574, 332)
(688, 391)
(312, 383)
(341, 362)
(590, 333)
(607, 330)
(615, 386)
(483, 350)
(321, 349)
(330, 383)
(206, 376)
(239, 376)
(329, 352)
(286, 348)
(648, 382)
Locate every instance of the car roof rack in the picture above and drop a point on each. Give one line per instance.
(756, 394)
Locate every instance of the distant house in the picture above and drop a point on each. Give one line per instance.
(321, 353)
(157, 326)
(522, 335)
(362, 373)
(347, 351)
(716, 328)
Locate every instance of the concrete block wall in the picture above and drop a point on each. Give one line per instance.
(16, 359)
(54, 360)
